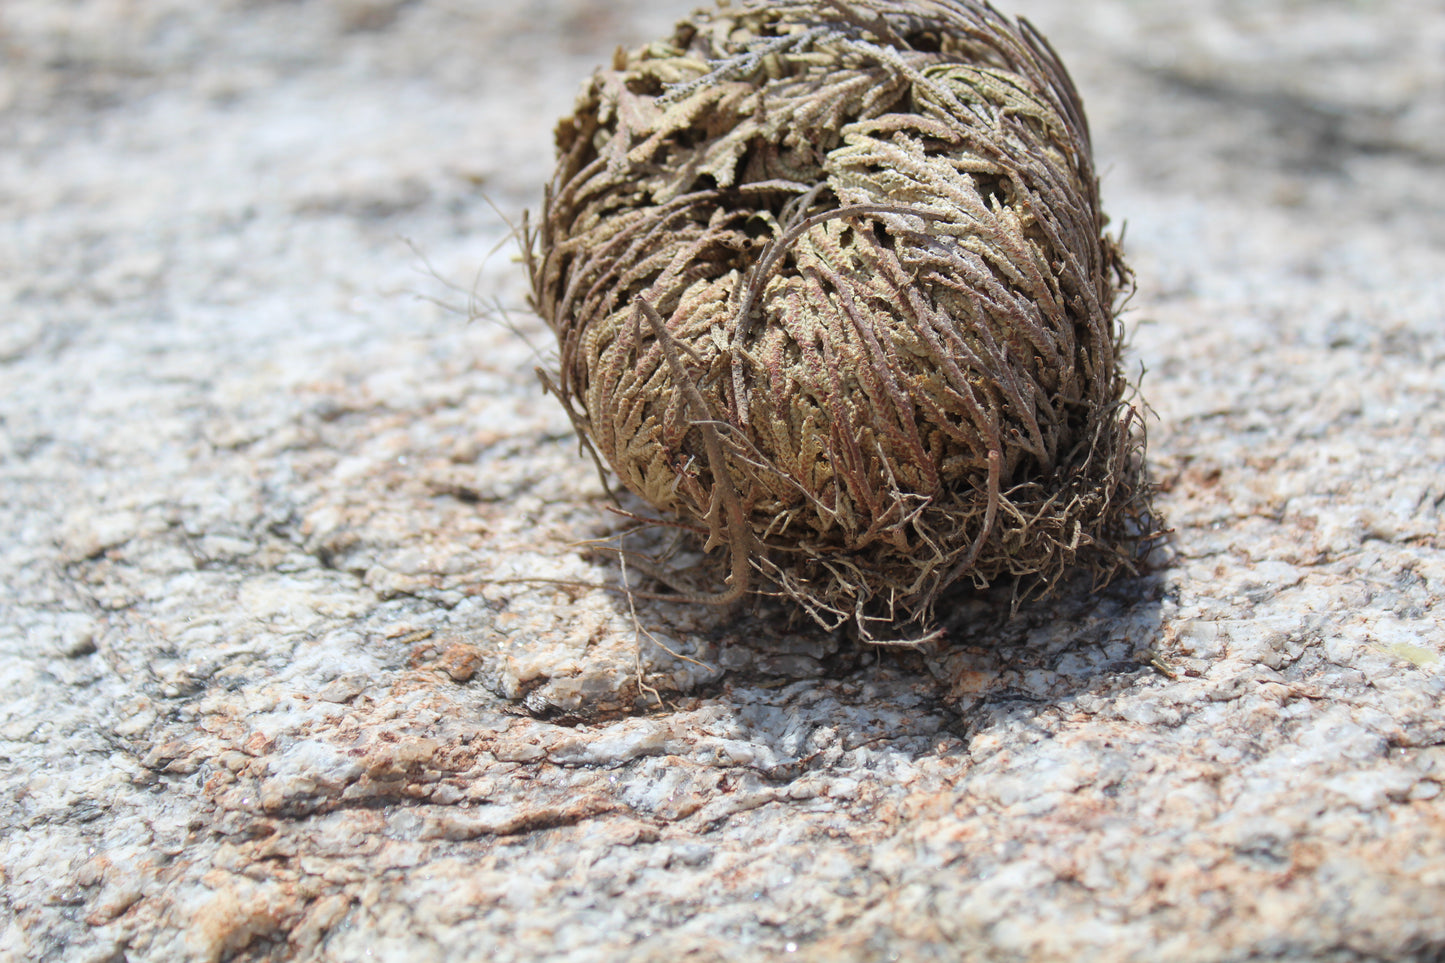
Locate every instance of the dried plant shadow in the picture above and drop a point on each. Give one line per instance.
(994, 659)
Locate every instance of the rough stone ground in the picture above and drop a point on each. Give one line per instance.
(262, 698)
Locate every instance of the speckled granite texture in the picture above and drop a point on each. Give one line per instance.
(266, 694)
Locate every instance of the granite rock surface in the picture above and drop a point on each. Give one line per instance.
(274, 684)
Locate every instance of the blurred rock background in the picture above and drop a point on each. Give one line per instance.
(265, 693)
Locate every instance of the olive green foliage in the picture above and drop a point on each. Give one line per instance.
(831, 288)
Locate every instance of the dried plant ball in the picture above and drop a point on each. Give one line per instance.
(831, 288)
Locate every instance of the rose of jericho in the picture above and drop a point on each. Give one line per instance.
(831, 287)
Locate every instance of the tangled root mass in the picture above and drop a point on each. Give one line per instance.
(830, 286)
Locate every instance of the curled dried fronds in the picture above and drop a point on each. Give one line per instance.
(830, 285)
